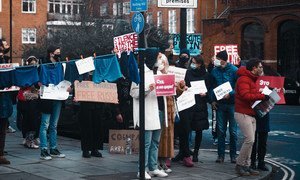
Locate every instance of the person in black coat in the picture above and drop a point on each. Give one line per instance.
(259, 148)
(198, 112)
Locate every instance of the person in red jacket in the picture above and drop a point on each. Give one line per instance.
(246, 94)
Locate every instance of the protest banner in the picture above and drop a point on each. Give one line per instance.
(85, 65)
(222, 90)
(193, 44)
(274, 82)
(9, 65)
(186, 100)
(126, 42)
(58, 92)
(232, 51)
(177, 4)
(91, 92)
(117, 141)
(165, 84)
(179, 73)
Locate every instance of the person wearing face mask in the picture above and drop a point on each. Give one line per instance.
(184, 58)
(247, 93)
(50, 73)
(224, 72)
(198, 114)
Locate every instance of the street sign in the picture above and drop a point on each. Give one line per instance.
(138, 5)
(177, 4)
(137, 22)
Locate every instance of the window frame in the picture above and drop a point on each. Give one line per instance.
(190, 21)
(172, 28)
(29, 1)
(28, 35)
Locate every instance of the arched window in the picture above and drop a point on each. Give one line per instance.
(289, 49)
(252, 41)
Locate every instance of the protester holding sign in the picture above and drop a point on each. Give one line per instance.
(51, 73)
(152, 120)
(224, 72)
(247, 93)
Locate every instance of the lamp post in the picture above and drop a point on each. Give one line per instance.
(182, 43)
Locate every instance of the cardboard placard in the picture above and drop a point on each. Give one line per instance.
(117, 141)
(165, 85)
(91, 92)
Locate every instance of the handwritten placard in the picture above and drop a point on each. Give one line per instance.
(222, 90)
(232, 51)
(126, 42)
(117, 141)
(186, 100)
(91, 92)
(198, 87)
(85, 65)
(58, 92)
(179, 73)
(274, 82)
(165, 84)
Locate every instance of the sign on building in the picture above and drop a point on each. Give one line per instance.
(193, 44)
(232, 51)
(177, 3)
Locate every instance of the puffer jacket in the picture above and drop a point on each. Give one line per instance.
(223, 75)
(246, 92)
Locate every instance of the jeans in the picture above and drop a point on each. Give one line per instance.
(225, 114)
(259, 148)
(3, 128)
(152, 139)
(50, 121)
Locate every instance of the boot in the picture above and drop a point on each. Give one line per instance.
(3, 160)
(262, 166)
(195, 156)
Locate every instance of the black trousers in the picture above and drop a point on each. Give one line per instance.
(184, 132)
(91, 119)
(198, 140)
(259, 148)
(3, 128)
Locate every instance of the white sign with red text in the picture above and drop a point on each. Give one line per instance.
(232, 51)
(126, 42)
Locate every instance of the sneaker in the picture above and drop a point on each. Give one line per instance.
(45, 155)
(96, 153)
(158, 173)
(147, 176)
(166, 168)
(187, 161)
(215, 142)
(10, 130)
(56, 153)
(37, 141)
(3, 160)
(220, 160)
(31, 145)
(262, 167)
(242, 170)
(227, 142)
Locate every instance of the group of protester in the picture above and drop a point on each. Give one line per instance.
(40, 116)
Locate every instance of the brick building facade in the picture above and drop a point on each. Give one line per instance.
(28, 24)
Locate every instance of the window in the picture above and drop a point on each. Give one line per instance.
(252, 42)
(28, 35)
(117, 8)
(190, 21)
(159, 19)
(149, 18)
(172, 21)
(65, 6)
(28, 6)
(126, 8)
(103, 9)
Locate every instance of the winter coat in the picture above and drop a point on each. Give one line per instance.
(223, 75)
(247, 92)
(152, 121)
(198, 112)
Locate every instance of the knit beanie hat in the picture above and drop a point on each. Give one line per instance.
(222, 55)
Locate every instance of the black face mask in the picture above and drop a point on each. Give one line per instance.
(2, 59)
(57, 57)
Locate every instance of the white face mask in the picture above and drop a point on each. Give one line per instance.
(217, 62)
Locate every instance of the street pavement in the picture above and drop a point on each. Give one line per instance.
(25, 164)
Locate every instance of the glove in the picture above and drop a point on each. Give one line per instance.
(267, 97)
